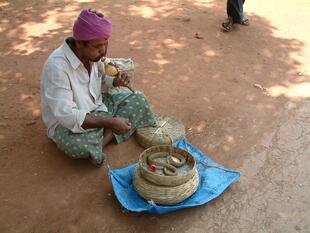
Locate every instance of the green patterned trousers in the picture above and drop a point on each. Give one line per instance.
(132, 106)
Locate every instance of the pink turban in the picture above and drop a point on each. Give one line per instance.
(89, 26)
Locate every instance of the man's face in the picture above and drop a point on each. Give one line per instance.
(95, 50)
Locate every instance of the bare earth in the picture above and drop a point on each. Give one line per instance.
(243, 96)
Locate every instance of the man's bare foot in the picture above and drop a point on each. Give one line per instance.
(107, 136)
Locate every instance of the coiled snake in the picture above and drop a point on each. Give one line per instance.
(169, 167)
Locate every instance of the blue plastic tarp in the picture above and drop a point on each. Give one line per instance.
(213, 180)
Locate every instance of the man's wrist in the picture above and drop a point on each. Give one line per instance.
(105, 122)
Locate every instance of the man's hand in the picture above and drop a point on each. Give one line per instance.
(120, 125)
(122, 79)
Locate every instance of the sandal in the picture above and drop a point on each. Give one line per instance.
(228, 24)
(245, 22)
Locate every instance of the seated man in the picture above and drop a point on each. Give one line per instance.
(80, 115)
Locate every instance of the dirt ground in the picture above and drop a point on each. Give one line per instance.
(243, 97)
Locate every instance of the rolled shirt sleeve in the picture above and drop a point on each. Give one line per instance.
(108, 81)
(59, 98)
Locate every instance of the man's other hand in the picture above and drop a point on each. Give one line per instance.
(122, 79)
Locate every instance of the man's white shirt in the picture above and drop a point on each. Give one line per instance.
(68, 92)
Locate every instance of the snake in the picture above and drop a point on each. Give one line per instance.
(170, 167)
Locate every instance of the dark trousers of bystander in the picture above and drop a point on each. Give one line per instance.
(235, 10)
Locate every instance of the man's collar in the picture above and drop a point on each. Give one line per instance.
(73, 59)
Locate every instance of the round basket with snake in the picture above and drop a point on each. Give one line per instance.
(166, 131)
(166, 175)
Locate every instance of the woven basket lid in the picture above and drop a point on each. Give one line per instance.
(166, 131)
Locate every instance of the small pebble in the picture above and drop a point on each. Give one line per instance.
(186, 19)
(297, 228)
(30, 122)
(198, 35)
(124, 211)
(259, 86)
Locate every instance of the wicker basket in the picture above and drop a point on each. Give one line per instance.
(161, 188)
(164, 195)
(166, 131)
(155, 177)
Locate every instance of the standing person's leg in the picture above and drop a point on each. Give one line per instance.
(235, 14)
(235, 10)
(228, 23)
(244, 21)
